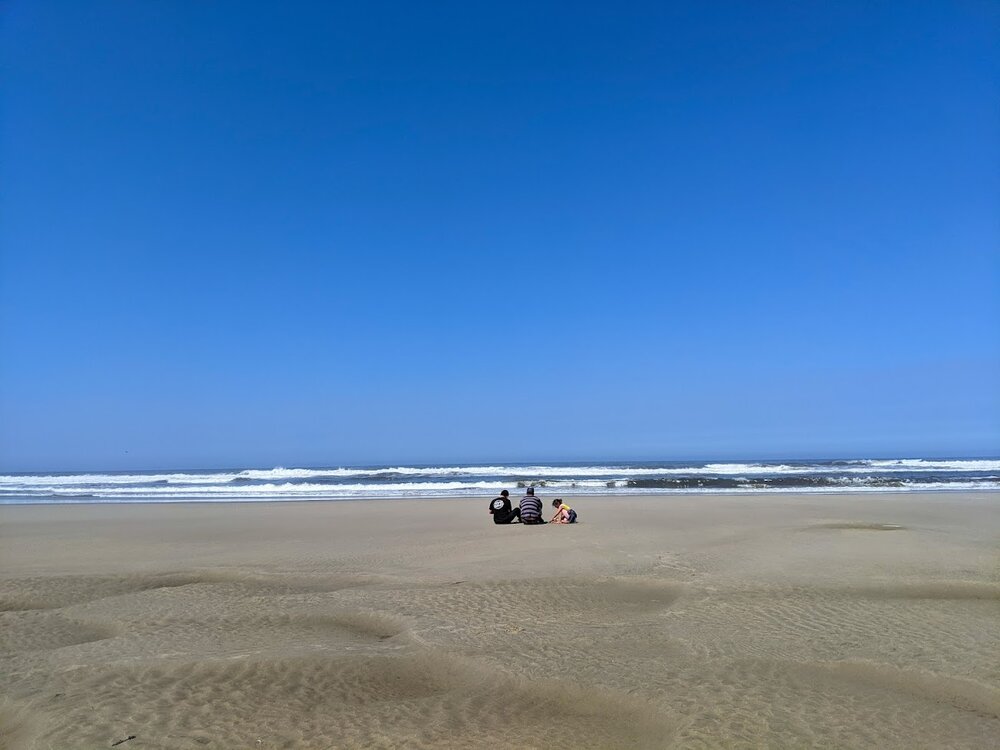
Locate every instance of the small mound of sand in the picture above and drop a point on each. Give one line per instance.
(18, 727)
(957, 590)
(425, 700)
(40, 630)
(964, 694)
(62, 591)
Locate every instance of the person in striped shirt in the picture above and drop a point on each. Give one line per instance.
(531, 508)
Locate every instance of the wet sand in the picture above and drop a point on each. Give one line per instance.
(778, 621)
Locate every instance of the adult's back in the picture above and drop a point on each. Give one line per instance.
(531, 508)
(501, 511)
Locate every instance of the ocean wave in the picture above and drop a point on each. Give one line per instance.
(526, 473)
(923, 464)
(289, 489)
(480, 480)
(665, 486)
(294, 489)
(412, 491)
(793, 481)
(28, 480)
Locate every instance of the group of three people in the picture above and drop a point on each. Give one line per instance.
(530, 509)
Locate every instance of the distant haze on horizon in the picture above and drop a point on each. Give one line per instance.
(258, 235)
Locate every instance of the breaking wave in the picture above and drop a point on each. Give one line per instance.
(853, 475)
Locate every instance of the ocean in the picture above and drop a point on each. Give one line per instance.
(554, 479)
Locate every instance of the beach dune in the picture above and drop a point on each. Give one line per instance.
(780, 621)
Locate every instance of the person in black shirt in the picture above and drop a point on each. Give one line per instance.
(501, 511)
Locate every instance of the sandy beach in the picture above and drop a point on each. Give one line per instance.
(775, 621)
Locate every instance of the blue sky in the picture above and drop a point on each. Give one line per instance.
(248, 233)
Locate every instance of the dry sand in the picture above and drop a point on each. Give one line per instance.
(778, 621)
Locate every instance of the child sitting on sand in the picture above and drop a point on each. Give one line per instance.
(564, 513)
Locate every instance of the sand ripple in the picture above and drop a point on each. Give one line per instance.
(617, 634)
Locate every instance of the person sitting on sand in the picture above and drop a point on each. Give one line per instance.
(564, 513)
(501, 511)
(531, 508)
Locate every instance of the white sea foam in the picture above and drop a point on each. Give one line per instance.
(286, 489)
(424, 481)
(526, 472)
(457, 471)
(29, 480)
(446, 489)
(290, 489)
(922, 464)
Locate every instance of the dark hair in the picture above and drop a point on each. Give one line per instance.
(557, 502)
(504, 493)
(531, 490)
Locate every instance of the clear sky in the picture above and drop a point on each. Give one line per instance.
(258, 233)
